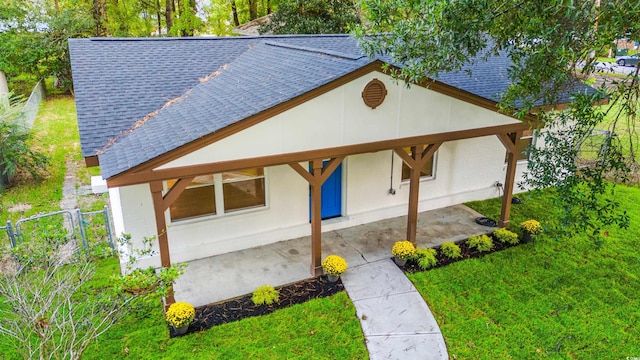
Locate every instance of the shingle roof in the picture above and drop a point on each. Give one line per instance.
(123, 86)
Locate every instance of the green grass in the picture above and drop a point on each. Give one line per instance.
(319, 329)
(548, 299)
(606, 59)
(56, 134)
(324, 328)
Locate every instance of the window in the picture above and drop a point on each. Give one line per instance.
(522, 151)
(219, 194)
(243, 189)
(425, 172)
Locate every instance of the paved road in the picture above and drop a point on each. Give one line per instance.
(603, 67)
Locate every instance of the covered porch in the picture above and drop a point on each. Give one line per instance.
(233, 274)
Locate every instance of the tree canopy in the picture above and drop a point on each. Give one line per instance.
(551, 44)
(312, 17)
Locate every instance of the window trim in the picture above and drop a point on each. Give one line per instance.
(422, 178)
(219, 199)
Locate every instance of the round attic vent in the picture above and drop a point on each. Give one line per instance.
(374, 93)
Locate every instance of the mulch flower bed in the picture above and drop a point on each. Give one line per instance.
(465, 251)
(236, 309)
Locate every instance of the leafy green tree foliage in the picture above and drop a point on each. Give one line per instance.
(34, 33)
(224, 15)
(16, 151)
(551, 44)
(33, 38)
(312, 17)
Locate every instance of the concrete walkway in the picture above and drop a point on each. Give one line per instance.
(238, 273)
(396, 322)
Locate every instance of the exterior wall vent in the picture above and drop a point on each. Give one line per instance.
(374, 93)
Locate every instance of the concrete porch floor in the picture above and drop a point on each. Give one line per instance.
(238, 273)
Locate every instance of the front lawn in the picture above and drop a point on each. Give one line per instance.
(551, 298)
(324, 328)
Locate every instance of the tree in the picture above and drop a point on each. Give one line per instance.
(552, 43)
(33, 38)
(312, 17)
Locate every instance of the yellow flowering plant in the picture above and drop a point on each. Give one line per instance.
(531, 226)
(403, 249)
(334, 265)
(180, 314)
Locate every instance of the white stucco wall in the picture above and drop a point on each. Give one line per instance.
(465, 170)
(340, 117)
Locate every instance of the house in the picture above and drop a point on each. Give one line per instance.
(220, 144)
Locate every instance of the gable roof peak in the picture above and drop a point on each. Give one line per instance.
(341, 55)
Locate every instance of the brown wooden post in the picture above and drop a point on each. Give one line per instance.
(419, 156)
(316, 178)
(161, 228)
(316, 219)
(414, 192)
(510, 142)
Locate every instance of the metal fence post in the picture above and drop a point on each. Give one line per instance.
(107, 222)
(83, 233)
(10, 234)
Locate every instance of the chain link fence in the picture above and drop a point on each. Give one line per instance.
(30, 109)
(62, 227)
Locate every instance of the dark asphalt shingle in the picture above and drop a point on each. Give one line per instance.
(118, 82)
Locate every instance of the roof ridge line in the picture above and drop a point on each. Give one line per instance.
(314, 50)
(205, 38)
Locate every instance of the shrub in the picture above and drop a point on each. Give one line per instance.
(180, 314)
(265, 294)
(425, 258)
(334, 265)
(140, 281)
(506, 236)
(481, 242)
(450, 250)
(531, 226)
(403, 249)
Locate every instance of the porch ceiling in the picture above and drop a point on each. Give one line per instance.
(230, 275)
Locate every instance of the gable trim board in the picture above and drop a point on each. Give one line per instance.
(232, 129)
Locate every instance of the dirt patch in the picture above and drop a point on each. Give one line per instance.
(211, 315)
(20, 207)
(8, 265)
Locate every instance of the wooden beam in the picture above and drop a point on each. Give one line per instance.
(316, 219)
(412, 212)
(405, 157)
(302, 171)
(331, 166)
(511, 143)
(132, 178)
(161, 229)
(175, 191)
(415, 161)
(318, 174)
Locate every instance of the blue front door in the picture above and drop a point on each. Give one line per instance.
(331, 201)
